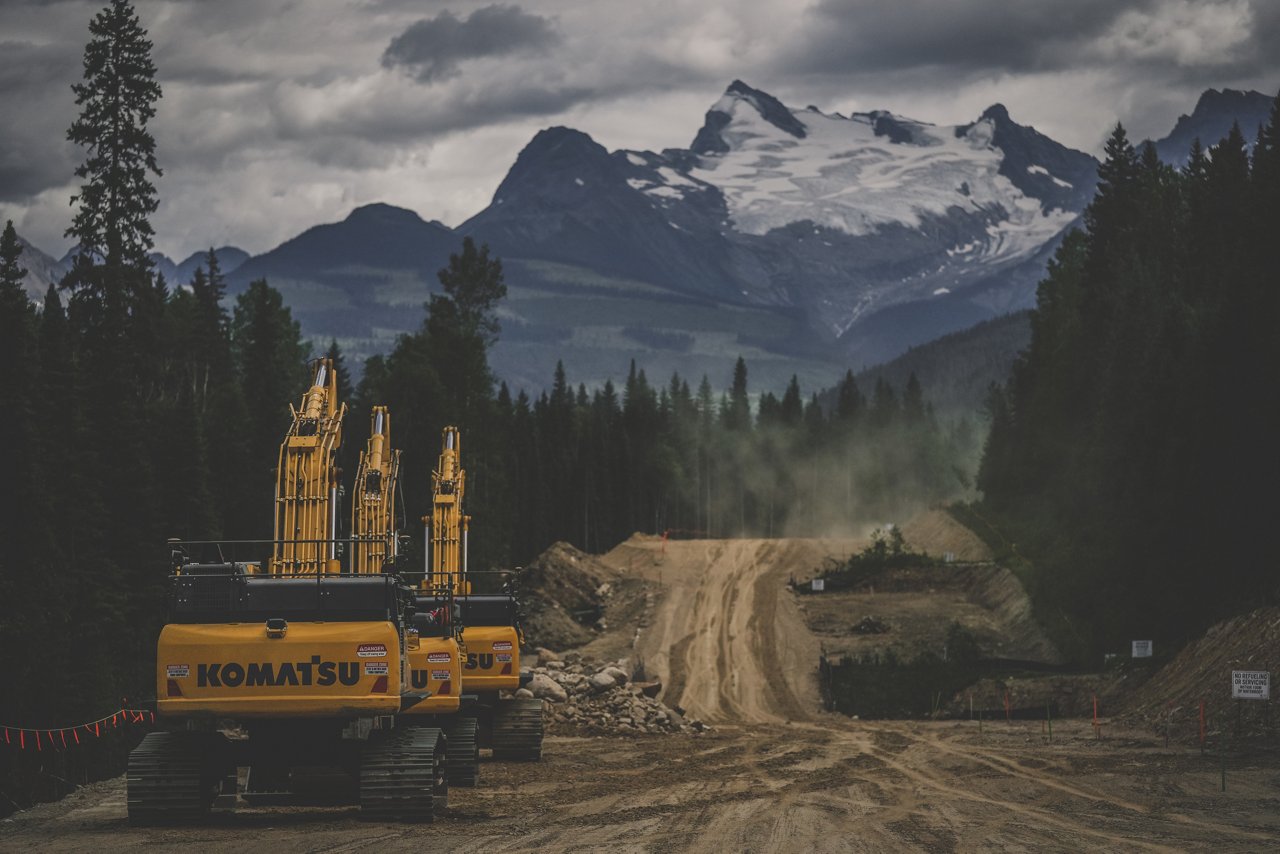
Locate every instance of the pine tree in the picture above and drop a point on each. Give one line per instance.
(792, 404)
(475, 283)
(117, 100)
(737, 414)
(271, 363)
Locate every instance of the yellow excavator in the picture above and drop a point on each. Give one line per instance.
(491, 637)
(308, 663)
(432, 636)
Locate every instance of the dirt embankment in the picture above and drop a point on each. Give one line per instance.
(1202, 672)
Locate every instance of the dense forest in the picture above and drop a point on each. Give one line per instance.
(1132, 456)
(135, 409)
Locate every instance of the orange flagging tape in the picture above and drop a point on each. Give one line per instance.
(128, 716)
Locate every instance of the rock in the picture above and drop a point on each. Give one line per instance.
(600, 683)
(546, 688)
(619, 675)
(555, 665)
(649, 689)
(524, 694)
(545, 655)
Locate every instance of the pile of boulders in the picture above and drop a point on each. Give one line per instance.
(598, 698)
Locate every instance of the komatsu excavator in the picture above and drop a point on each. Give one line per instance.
(309, 662)
(491, 636)
(432, 647)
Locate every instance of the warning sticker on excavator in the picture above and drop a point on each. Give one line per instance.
(375, 668)
(439, 675)
(178, 671)
(372, 650)
(438, 657)
(503, 657)
(498, 645)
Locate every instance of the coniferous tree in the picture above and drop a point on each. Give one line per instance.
(117, 100)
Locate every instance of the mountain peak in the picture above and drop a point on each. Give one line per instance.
(996, 112)
(710, 140)
(380, 212)
(1214, 112)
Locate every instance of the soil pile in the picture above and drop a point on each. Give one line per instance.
(1202, 672)
(563, 594)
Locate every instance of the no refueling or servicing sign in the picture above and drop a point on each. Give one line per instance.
(1142, 649)
(1250, 685)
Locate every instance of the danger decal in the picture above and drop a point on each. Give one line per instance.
(501, 645)
(371, 650)
(439, 657)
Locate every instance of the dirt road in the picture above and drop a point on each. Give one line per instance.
(774, 773)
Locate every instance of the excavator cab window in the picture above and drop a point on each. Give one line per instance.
(488, 609)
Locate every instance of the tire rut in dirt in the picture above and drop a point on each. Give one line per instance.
(517, 730)
(403, 777)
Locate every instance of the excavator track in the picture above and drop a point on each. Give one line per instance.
(173, 777)
(403, 776)
(517, 729)
(464, 751)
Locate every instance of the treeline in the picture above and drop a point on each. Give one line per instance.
(1133, 453)
(594, 467)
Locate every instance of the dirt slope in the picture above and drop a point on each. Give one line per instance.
(727, 638)
(1202, 671)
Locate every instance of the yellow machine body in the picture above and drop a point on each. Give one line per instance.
(492, 659)
(435, 666)
(235, 670)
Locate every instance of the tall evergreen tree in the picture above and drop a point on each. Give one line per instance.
(117, 100)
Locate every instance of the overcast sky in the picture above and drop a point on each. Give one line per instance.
(281, 114)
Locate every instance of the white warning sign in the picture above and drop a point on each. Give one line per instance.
(818, 585)
(1141, 649)
(1250, 685)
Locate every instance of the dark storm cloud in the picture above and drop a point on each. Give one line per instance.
(433, 48)
(33, 153)
(867, 35)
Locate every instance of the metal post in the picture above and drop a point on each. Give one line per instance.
(333, 521)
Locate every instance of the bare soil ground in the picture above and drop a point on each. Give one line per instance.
(717, 623)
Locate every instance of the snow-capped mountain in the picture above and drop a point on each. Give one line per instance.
(838, 217)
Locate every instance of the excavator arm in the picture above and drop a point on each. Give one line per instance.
(373, 507)
(307, 481)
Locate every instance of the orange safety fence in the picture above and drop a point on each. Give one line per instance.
(21, 738)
